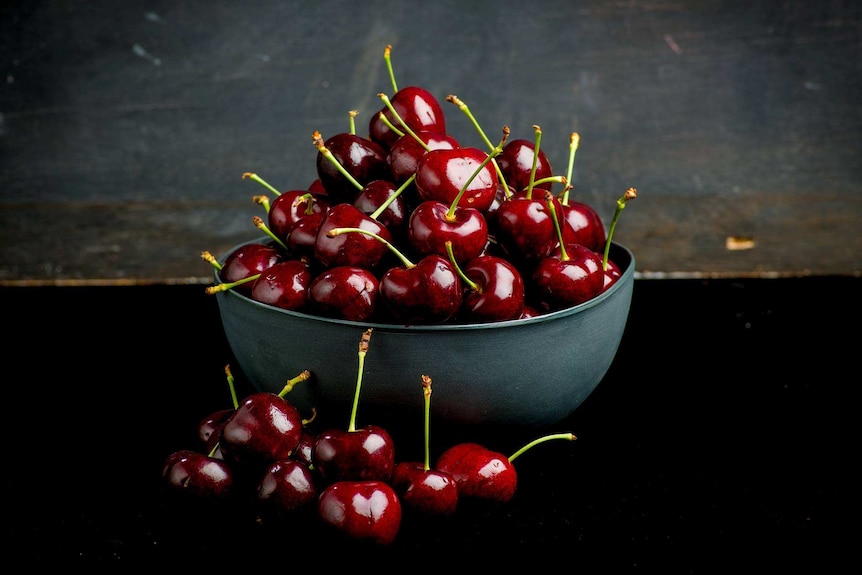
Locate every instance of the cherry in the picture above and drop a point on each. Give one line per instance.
(209, 428)
(351, 249)
(244, 262)
(287, 207)
(286, 488)
(284, 285)
(421, 488)
(570, 275)
(426, 292)
(346, 162)
(344, 292)
(264, 428)
(405, 153)
(360, 454)
(366, 510)
(444, 174)
(483, 473)
(494, 289)
(519, 163)
(302, 236)
(382, 201)
(412, 106)
(196, 476)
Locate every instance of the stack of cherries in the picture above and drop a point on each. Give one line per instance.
(263, 453)
(407, 225)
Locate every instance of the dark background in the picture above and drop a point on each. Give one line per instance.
(125, 127)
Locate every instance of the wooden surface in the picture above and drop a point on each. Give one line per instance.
(125, 128)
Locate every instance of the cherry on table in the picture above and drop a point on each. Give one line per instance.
(365, 510)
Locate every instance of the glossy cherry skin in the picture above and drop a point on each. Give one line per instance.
(404, 155)
(248, 260)
(212, 424)
(431, 225)
(344, 292)
(560, 283)
(479, 472)
(264, 428)
(361, 510)
(195, 476)
(516, 163)
(525, 228)
(350, 248)
(611, 276)
(428, 491)
(284, 285)
(419, 109)
(440, 175)
(374, 195)
(286, 487)
(361, 454)
(290, 206)
(429, 292)
(362, 158)
(499, 294)
(585, 226)
(302, 236)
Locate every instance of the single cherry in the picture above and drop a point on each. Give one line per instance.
(345, 160)
(284, 285)
(358, 454)
(365, 510)
(494, 289)
(344, 292)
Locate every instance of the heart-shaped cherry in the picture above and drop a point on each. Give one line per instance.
(421, 488)
(366, 510)
(360, 454)
(344, 292)
(485, 474)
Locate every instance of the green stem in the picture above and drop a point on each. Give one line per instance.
(574, 142)
(536, 148)
(207, 256)
(231, 386)
(453, 99)
(450, 213)
(258, 221)
(321, 147)
(337, 231)
(385, 119)
(470, 283)
(567, 436)
(291, 383)
(401, 121)
(230, 285)
(382, 207)
(363, 351)
(549, 199)
(630, 194)
(387, 55)
(261, 181)
(426, 394)
(352, 119)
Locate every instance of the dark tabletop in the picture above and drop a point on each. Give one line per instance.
(721, 436)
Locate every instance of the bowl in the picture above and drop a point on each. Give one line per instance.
(533, 371)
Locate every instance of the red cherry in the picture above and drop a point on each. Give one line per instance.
(287, 487)
(516, 163)
(442, 174)
(404, 155)
(364, 510)
(567, 278)
(433, 223)
(195, 476)
(495, 290)
(355, 250)
(416, 107)
(246, 261)
(346, 162)
(283, 284)
(344, 292)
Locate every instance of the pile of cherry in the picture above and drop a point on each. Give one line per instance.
(263, 453)
(406, 225)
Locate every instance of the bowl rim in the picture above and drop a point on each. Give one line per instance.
(625, 276)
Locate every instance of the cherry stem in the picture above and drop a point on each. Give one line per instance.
(258, 221)
(387, 55)
(363, 351)
(401, 121)
(308, 199)
(291, 383)
(574, 142)
(567, 436)
(629, 194)
(549, 199)
(382, 207)
(538, 143)
(261, 200)
(261, 181)
(450, 213)
(470, 283)
(352, 118)
(550, 179)
(230, 285)
(318, 141)
(207, 256)
(385, 119)
(338, 231)
(453, 99)
(231, 386)
(426, 394)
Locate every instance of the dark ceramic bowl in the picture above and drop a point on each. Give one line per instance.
(531, 372)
